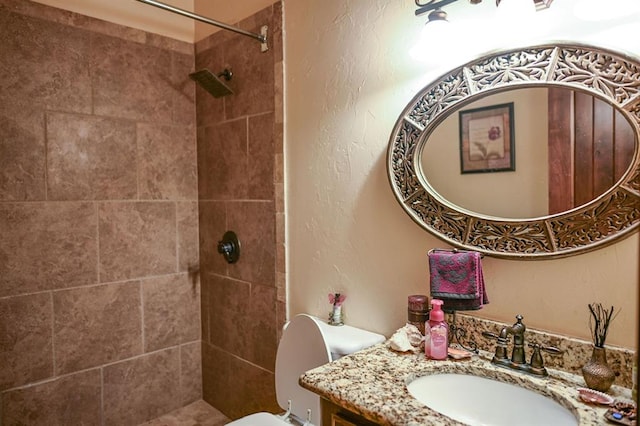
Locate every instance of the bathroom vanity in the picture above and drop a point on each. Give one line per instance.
(370, 387)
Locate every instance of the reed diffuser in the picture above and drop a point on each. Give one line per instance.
(597, 373)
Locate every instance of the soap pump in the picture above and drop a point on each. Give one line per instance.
(436, 333)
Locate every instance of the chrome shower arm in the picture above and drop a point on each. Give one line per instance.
(262, 37)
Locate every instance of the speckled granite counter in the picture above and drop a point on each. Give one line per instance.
(372, 383)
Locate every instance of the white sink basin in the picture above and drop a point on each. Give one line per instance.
(479, 401)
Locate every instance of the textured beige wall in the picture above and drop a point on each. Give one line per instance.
(348, 76)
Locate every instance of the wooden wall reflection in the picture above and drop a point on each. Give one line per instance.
(591, 145)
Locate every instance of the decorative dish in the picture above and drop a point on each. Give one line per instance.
(594, 397)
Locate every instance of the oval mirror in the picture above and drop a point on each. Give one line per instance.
(436, 173)
(596, 140)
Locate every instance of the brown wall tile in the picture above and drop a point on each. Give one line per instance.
(184, 95)
(213, 225)
(190, 372)
(254, 223)
(133, 81)
(211, 110)
(141, 389)
(229, 314)
(167, 161)
(46, 246)
(242, 309)
(243, 320)
(137, 239)
(171, 305)
(260, 158)
(69, 400)
(96, 325)
(26, 353)
(222, 161)
(90, 158)
(43, 64)
(236, 387)
(22, 153)
(187, 217)
(254, 86)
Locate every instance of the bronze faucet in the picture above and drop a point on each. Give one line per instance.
(517, 361)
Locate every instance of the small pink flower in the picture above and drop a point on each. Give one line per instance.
(336, 299)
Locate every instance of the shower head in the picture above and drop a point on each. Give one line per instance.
(212, 83)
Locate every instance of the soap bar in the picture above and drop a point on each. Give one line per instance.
(458, 353)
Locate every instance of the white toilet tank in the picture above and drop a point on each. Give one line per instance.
(343, 340)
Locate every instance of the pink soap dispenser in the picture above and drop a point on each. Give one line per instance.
(436, 336)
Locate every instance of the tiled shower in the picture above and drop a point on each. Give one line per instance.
(115, 307)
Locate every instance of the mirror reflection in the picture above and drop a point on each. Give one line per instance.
(570, 147)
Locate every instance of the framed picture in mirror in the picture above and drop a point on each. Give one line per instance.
(487, 139)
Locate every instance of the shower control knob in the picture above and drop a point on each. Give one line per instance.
(229, 247)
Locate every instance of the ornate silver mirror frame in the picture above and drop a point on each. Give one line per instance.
(609, 75)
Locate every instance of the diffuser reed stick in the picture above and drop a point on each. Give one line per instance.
(599, 323)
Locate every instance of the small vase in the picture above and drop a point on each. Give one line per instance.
(597, 373)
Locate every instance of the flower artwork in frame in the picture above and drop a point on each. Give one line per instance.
(487, 139)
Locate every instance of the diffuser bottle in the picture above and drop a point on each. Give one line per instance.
(436, 333)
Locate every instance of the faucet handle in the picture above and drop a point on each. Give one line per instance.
(501, 347)
(490, 335)
(536, 357)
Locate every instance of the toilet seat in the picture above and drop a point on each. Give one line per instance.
(301, 348)
(260, 419)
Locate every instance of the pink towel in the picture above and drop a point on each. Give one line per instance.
(456, 278)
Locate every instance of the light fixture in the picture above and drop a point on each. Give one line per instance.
(435, 6)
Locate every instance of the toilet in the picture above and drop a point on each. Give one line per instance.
(307, 342)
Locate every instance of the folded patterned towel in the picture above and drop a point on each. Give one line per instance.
(456, 278)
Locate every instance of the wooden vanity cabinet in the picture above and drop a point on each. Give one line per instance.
(334, 415)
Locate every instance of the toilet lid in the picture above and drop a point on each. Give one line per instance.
(301, 348)
(260, 419)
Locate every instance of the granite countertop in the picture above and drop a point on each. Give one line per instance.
(372, 383)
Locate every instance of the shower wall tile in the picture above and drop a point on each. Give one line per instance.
(263, 331)
(184, 95)
(243, 319)
(90, 158)
(170, 304)
(213, 224)
(69, 400)
(191, 372)
(26, 353)
(188, 256)
(98, 201)
(49, 64)
(22, 153)
(210, 110)
(260, 158)
(137, 239)
(133, 81)
(230, 314)
(96, 325)
(167, 162)
(205, 286)
(254, 222)
(142, 388)
(46, 246)
(254, 84)
(234, 386)
(277, 40)
(222, 161)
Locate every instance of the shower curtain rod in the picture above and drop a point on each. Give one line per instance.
(262, 37)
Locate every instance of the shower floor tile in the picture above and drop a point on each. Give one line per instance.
(198, 413)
